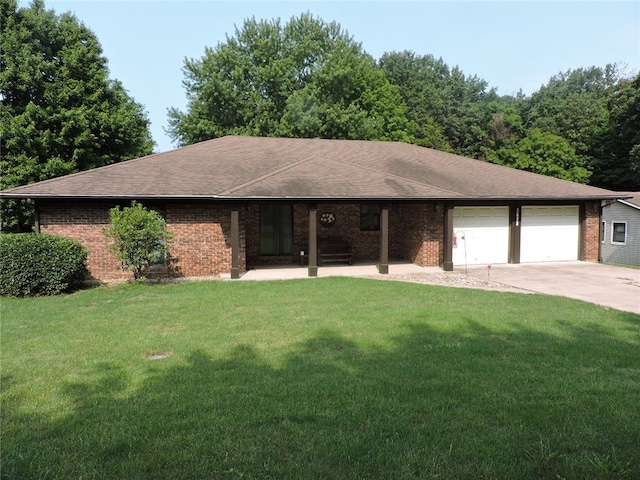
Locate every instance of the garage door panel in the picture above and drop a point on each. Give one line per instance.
(482, 235)
(549, 233)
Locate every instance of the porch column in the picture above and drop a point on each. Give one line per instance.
(313, 241)
(447, 263)
(582, 229)
(235, 243)
(515, 212)
(36, 217)
(384, 240)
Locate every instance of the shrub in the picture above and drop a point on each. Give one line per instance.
(139, 237)
(37, 264)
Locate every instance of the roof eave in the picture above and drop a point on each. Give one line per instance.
(629, 204)
(492, 198)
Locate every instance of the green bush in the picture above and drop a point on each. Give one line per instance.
(36, 264)
(139, 237)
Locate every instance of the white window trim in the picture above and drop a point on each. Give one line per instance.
(603, 231)
(625, 233)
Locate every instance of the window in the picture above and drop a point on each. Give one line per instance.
(369, 218)
(619, 233)
(603, 231)
(276, 230)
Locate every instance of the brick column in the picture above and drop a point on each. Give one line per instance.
(447, 263)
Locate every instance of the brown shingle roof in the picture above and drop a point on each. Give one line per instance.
(257, 167)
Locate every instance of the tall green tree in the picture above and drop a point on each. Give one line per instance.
(596, 110)
(617, 164)
(305, 78)
(60, 112)
(573, 105)
(543, 153)
(447, 104)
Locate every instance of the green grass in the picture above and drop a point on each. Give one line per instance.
(317, 379)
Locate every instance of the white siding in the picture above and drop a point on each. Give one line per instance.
(628, 254)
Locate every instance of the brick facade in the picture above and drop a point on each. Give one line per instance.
(591, 233)
(422, 233)
(415, 233)
(86, 223)
(201, 243)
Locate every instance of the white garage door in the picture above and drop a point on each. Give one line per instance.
(549, 233)
(482, 235)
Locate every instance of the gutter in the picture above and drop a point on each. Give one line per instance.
(9, 195)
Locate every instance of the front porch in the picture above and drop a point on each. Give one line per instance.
(377, 235)
(360, 269)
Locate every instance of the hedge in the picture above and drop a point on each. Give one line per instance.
(37, 264)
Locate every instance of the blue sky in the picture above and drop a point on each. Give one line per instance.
(512, 45)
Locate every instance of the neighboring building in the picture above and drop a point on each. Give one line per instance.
(619, 232)
(242, 202)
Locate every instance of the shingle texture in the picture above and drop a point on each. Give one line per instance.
(635, 199)
(237, 167)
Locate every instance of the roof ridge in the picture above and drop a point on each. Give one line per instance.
(387, 174)
(270, 174)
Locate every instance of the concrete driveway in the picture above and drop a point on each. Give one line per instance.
(615, 287)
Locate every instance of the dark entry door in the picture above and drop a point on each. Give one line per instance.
(276, 230)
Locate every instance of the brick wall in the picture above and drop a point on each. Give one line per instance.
(422, 233)
(591, 234)
(415, 233)
(84, 222)
(201, 244)
(201, 236)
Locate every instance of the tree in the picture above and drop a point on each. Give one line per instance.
(139, 237)
(60, 113)
(618, 150)
(504, 124)
(544, 153)
(447, 104)
(593, 109)
(306, 78)
(573, 105)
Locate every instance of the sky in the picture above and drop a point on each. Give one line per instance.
(512, 45)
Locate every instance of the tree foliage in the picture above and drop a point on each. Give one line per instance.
(139, 237)
(593, 109)
(447, 104)
(306, 78)
(617, 152)
(59, 112)
(544, 153)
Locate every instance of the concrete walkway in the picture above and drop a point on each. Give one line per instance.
(606, 285)
(335, 270)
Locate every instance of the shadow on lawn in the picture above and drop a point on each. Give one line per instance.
(469, 405)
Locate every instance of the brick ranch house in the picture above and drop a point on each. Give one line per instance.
(235, 203)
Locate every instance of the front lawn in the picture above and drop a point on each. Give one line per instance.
(332, 378)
